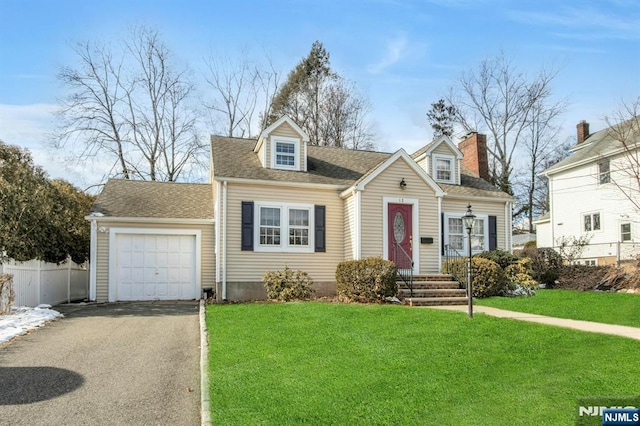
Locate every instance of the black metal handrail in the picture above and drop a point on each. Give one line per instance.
(451, 265)
(404, 265)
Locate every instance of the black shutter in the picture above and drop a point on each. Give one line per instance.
(247, 225)
(320, 231)
(442, 233)
(493, 233)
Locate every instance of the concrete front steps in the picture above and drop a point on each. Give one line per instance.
(432, 290)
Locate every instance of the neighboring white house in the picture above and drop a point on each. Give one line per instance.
(591, 193)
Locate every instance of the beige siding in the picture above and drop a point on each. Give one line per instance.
(387, 185)
(489, 208)
(349, 227)
(208, 265)
(443, 149)
(249, 266)
(261, 157)
(285, 130)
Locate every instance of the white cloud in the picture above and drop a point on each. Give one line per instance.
(395, 50)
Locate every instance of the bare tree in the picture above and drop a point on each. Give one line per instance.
(500, 99)
(342, 116)
(539, 143)
(624, 129)
(133, 107)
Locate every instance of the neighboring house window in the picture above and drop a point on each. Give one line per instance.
(603, 172)
(457, 238)
(625, 232)
(443, 168)
(285, 153)
(591, 222)
(284, 227)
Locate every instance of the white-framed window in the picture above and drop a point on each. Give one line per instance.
(457, 238)
(604, 175)
(285, 153)
(625, 232)
(443, 168)
(284, 227)
(591, 222)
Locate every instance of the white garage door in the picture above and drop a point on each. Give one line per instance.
(155, 267)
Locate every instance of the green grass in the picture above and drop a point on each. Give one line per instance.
(609, 308)
(321, 363)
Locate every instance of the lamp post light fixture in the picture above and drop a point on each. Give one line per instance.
(468, 220)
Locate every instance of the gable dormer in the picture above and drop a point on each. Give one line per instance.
(441, 160)
(283, 146)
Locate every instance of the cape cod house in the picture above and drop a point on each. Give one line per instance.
(277, 201)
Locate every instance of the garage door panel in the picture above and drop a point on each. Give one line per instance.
(155, 267)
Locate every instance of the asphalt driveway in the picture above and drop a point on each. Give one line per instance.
(115, 364)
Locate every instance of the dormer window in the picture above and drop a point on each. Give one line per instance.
(443, 168)
(285, 153)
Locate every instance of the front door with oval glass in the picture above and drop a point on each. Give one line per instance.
(399, 235)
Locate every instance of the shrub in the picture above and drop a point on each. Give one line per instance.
(287, 285)
(501, 257)
(488, 278)
(367, 280)
(546, 264)
(520, 279)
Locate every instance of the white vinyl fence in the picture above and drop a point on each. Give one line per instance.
(36, 282)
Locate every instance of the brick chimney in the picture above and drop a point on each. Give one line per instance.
(474, 152)
(583, 131)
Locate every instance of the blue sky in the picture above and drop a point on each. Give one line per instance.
(402, 54)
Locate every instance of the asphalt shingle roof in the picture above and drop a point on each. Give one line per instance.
(600, 144)
(234, 158)
(135, 198)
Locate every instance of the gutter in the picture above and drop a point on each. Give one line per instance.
(93, 260)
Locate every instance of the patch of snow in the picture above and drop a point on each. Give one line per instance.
(21, 320)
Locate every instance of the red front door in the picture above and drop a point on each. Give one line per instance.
(399, 235)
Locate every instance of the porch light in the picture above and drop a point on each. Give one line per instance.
(403, 184)
(469, 219)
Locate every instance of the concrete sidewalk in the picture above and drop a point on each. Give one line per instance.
(593, 327)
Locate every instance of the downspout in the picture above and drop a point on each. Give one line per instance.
(93, 264)
(551, 217)
(439, 197)
(224, 241)
(508, 227)
(218, 233)
(358, 230)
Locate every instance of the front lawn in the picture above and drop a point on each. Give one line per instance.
(321, 363)
(610, 308)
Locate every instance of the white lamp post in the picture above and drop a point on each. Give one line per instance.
(469, 219)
